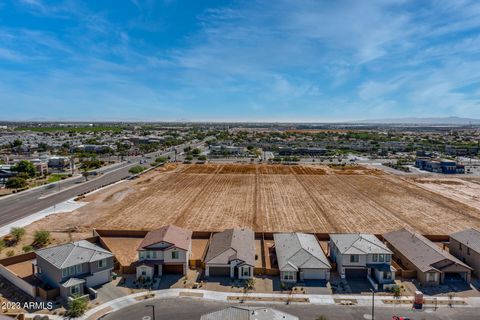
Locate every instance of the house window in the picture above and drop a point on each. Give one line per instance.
(71, 270)
(381, 258)
(64, 272)
(141, 254)
(375, 257)
(468, 250)
(78, 268)
(39, 270)
(387, 258)
(75, 289)
(387, 275)
(246, 271)
(354, 258)
(153, 254)
(175, 254)
(431, 276)
(102, 263)
(144, 271)
(288, 275)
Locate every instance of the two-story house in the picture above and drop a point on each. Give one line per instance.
(73, 267)
(165, 250)
(362, 256)
(465, 245)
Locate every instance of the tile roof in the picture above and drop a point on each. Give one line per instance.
(73, 253)
(469, 237)
(241, 241)
(420, 251)
(299, 250)
(359, 243)
(176, 236)
(248, 313)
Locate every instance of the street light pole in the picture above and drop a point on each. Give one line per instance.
(153, 310)
(373, 304)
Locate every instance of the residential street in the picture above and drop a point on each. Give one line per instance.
(23, 204)
(190, 309)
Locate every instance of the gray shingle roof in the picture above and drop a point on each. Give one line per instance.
(299, 250)
(469, 237)
(248, 313)
(359, 243)
(420, 251)
(72, 281)
(70, 254)
(242, 241)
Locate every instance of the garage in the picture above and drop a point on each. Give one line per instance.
(314, 274)
(99, 278)
(172, 269)
(219, 271)
(355, 273)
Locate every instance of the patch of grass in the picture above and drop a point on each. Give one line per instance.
(54, 177)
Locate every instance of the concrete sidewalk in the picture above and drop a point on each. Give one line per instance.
(361, 300)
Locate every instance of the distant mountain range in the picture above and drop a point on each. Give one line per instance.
(424, 121)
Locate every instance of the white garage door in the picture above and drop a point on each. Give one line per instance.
(99, 278)
(314, 274)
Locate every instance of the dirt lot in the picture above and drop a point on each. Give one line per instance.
(212, 197)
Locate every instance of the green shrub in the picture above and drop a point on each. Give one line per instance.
(136, 169)
(77, 307)
(41, 238)
(17, 233)
(27, 248)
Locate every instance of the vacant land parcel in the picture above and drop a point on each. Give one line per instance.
(273, 198)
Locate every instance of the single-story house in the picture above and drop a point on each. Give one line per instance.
(231, 253)
(433, 264)
(165, 250)
(360, 255)
(465, 245)
(248, 313)
(74, 267)
(300, 257)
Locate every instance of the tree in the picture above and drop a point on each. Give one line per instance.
(17, 233)
(202, 158)
(161, 160)
(196, 151)
(189, 158)
(77, 307)
(25, 167)
(17, 143)
(136, 169)
(2, 244)
(27, 248)
(41, 238)
(16, 183)
(322, 317)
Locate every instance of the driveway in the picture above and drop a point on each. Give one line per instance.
(110, 291)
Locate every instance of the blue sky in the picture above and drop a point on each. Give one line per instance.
(268, 60)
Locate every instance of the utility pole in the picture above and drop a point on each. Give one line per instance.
(153, 310)
(373, 304)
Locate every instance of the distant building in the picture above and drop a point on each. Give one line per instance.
(224, 149)
(461, 151)
(58, 162)
(41, 167)
(313, 152)
(439, 166)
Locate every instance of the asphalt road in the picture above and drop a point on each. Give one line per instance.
(29, 202)
(191, 309)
